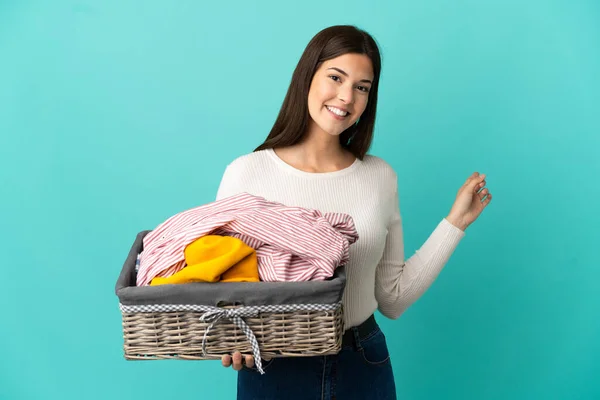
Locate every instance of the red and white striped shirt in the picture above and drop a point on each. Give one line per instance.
(291, 243)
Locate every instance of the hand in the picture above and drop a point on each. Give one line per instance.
(237, 361)
(468, 204)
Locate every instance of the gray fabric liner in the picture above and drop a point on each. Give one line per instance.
(221, 293)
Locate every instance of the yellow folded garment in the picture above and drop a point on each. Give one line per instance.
(244, 271)
(215, 258)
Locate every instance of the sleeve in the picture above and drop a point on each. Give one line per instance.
(399, 283)
(230, 182)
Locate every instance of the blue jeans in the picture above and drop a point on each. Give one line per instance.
(361, 370)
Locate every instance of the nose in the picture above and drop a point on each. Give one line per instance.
(346, 94)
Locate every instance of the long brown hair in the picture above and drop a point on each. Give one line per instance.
(292, 121)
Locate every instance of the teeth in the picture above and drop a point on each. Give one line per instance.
(337, 111)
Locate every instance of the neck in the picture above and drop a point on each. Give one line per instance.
(317, 152)
(320, 148)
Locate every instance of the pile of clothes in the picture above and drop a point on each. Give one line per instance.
(245, 238)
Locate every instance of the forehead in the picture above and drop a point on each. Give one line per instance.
(356, 65)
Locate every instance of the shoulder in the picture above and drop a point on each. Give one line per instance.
(380, 169)
(241, 173)
(248, 165)
(248, 160)
(247, 169)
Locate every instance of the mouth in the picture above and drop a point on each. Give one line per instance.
(337, 113)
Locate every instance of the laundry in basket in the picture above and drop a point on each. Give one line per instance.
(201, 320)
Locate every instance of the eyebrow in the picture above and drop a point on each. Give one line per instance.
(345, 74)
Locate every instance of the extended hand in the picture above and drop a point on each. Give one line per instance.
(470, 201)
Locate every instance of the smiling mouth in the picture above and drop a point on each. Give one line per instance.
(337, 112)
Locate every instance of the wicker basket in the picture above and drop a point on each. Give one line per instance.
(196, 322)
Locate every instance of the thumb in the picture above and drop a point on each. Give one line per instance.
(475, 181)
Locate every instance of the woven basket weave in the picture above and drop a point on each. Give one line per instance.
(178, 335)
(291, 319)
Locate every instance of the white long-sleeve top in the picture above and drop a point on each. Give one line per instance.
(378, 276)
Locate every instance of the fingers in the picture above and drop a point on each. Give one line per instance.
(474, 176)
(226, 360)
(487, 200)
(237, 361)
(475, 182)
(483, 193)
(485, 196)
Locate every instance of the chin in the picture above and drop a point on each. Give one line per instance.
(333, 130)
(335, 133)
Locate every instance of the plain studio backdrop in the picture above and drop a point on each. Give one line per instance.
(115, 115)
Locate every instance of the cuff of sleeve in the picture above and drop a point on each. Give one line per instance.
(449, 226)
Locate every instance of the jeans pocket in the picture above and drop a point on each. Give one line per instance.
(374, 349)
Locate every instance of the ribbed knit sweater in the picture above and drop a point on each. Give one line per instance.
(378, 275)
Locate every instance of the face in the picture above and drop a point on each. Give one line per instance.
(339, 92)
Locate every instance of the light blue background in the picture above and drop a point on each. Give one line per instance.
(115, 115)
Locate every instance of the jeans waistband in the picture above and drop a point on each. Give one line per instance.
(361, 331)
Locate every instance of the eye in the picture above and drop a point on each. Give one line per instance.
(335, 78)
(363, 89)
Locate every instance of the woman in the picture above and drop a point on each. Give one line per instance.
(315, 157)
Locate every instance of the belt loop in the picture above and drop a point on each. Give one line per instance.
(357, 344)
